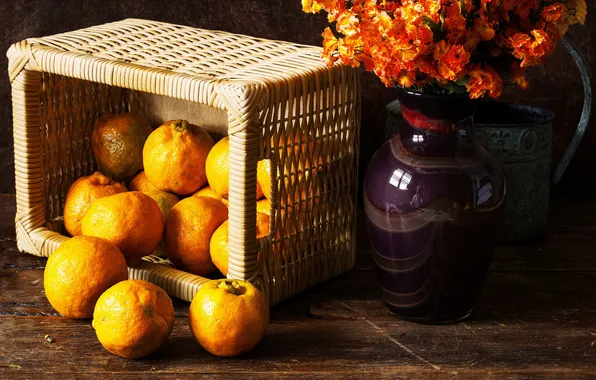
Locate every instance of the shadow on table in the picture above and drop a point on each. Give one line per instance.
(282, 342)
(531, 295)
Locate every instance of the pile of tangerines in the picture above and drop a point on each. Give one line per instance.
(177, 206)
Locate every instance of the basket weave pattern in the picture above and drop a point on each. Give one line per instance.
(278, 101)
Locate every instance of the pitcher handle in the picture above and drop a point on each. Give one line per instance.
(586, 111)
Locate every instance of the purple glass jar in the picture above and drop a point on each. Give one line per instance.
(434, 198)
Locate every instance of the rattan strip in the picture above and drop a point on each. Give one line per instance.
(176, 283)
(242, 106)
(28, 162)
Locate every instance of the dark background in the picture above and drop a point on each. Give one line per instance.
(556, 85)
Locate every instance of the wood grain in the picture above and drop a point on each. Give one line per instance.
(536, 318)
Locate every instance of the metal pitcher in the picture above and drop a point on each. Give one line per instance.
(521, 138)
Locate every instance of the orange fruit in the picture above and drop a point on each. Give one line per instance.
(174, 157)
(141, 183)
(189, 227)
(264, 206)
(164, 200)
(82, 193)
(228, 317)
(264, 177)
(133, 221)
(218, 246)
(208, 192)
(117, 142)
(217, 168)
(79, 271)
(133, 318)
(295, 168)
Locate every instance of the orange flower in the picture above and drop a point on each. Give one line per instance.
(482, 81)
(499, 5)
(455, 23)
(518, 75)
(347, 24)
(532, 50)
(347, 51)
(520, 41)
(315, 6)
(383, 22)
(553, 12)
(411, 12)
(369, 63)
(426, 66)
(451, 59)
(508, 5)
(484, 29)
(471, 41)
(469, 6)
(311, 6)
(329, 44)
(414, 42)
(576, 11)
(406, 79)
(523, 8)
(543, 43)
(432, 8)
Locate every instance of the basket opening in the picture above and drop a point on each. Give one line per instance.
(68, 110)
(311, 141)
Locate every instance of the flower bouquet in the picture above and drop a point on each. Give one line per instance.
(446, 46)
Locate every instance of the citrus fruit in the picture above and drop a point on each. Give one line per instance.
(133, 318)
(228, 317)
(209, 193)
(174, 157)
(217, 168)
(133, 221)
(189, 227)
(264, 177)
(264, 206)
(82, 193)
(117, 142)
(300, 150)
(79, 271)
(141, 183)
(218, 246)
(164, 200)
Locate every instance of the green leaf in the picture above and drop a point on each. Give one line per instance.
(434, 27)
(430, 23)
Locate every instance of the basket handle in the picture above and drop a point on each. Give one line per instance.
(586, 111)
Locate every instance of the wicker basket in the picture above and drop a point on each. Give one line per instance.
(266, 95)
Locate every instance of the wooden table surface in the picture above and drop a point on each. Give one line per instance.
(536, 318)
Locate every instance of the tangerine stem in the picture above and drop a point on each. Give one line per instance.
(232, 286)
(180, 125)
